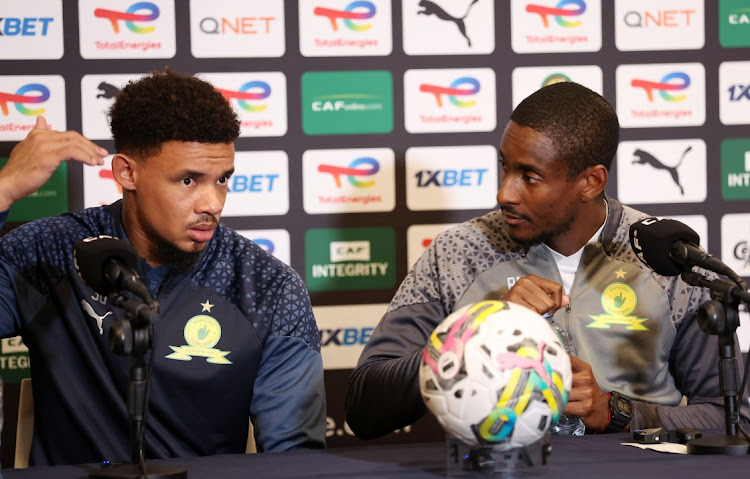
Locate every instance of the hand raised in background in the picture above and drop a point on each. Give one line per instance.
(33, 161)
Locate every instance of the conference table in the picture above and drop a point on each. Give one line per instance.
(595, 456)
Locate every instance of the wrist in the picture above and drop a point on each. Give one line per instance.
(620, 413)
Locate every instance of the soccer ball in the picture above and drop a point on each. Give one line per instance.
(495, 374)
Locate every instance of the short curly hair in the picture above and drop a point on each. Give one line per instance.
(582, 125)
(168, 106)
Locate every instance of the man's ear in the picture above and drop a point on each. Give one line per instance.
(124, 169)
(595, 180)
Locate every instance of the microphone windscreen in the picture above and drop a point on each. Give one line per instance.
(91, 254)
(652, 238)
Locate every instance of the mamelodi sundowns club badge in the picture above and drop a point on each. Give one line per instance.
(350, 258)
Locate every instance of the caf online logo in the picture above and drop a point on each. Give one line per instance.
(453, 91)
(559, 12)
(20, 98)
(354, 170)
(664, 86)
(262, 90)
(349, 15)
(130, 16)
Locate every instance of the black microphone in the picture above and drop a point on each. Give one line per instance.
(671, 248)
(108, 265)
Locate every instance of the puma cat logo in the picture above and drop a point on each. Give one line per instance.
(646, 158)
(107, 91)
(431, 8)
(87, 307)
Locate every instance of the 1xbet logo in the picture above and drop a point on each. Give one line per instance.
(20, 98)
(358, 167)
(360, 10)
(453, 91)
(665, 85)
(25, 27)
(250, 91)
(559, 12)
(739, 92)
(130, 16)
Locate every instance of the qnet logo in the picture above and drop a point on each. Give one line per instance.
(127, 29)
(345, 28)
(348, 180)
(141, 12)
(237, 29)
(642, 25)
(657, 95)
(566, 13)
(361, 10)
(539, 26)
(259, 98)
(24, 97)
(461, 87)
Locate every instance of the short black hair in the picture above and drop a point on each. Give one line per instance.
(582, 125)
(169, 106)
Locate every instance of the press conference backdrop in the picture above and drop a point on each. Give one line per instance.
(369, 126)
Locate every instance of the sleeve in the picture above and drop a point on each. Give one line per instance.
(10, 324)
(383, 391)
(694, 364)
(288, 408)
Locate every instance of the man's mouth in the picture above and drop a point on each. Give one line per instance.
(202, 232)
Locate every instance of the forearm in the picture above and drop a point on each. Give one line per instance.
(699, 416)
(383, 396)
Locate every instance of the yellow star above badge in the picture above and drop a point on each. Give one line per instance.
(206, 306)
(620, 274)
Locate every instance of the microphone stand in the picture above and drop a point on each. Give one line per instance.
(720, 317)
(134, 337)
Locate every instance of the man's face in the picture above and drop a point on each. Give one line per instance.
(178, 197)
(538, 201)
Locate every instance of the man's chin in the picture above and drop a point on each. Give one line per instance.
(181, 260)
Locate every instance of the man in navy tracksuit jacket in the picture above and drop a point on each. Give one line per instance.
(236, 338)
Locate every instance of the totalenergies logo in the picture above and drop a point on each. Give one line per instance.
(21, 97)
(365, 10)
(108, 175)
(470, 87)
(670, 82)
(265, 243)
(130, 16)
(560, 12)
(252, 90)
(358, 168)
